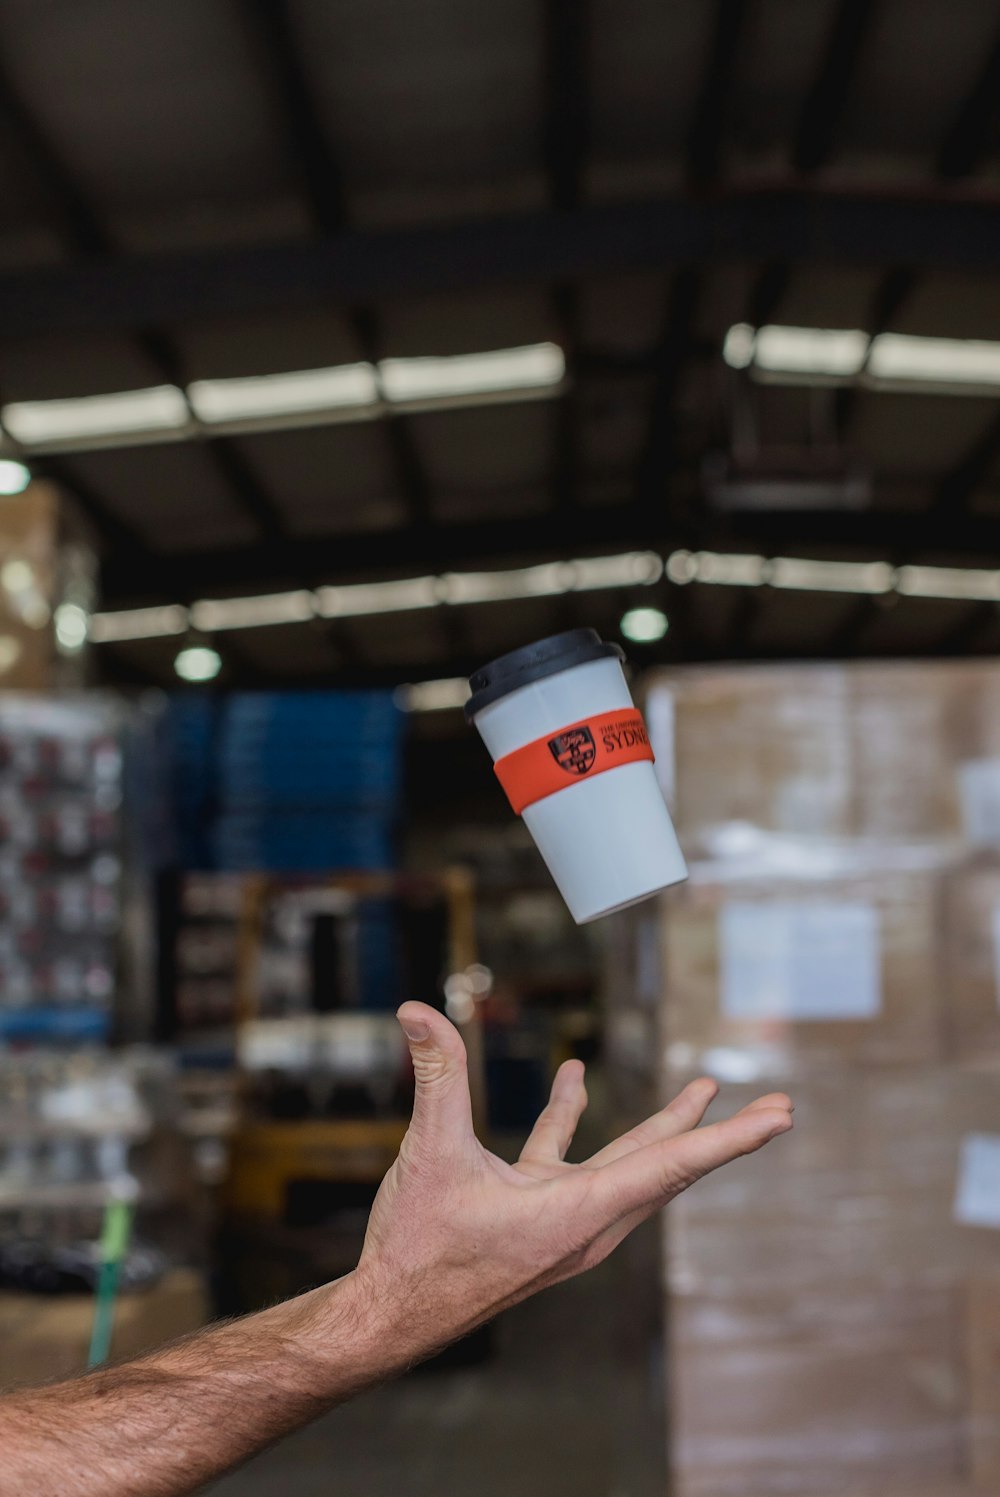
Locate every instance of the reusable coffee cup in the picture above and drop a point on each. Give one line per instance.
(572, 753)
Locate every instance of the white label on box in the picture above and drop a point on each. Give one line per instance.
(995, 920)
(977, 1196)
(979, 794)
(800, 959)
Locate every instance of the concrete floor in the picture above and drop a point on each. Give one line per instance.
(569, 1406)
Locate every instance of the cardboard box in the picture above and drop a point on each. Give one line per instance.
(46, 559)
(867, 1190)
(812, 1394)
(972, 961)
(983, 1362)
(47, 1338)
(834, 969)
(877, 752)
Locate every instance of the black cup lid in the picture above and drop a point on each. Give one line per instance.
(546, 657)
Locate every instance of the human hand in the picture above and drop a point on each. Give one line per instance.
(457, 1234)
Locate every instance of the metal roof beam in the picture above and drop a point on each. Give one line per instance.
(966, 142)
(83, 231)
(973, 130)
(826, 101)
(793, 225)
(295, 109)
(565, 141)
(319, 169)
(817, 125)
(972, 469)
(712, 111)
(976, 629)
(566, 99)
(79, 226)
(659, 454)
(412, 549)
(235, 473)
(406, 550)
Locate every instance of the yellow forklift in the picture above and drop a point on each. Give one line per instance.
(325, 1094)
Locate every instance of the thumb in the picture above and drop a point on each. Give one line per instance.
(442, 1109)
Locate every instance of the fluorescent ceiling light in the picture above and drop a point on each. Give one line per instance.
(539, 366)
(546, 581)
(891, 361)
(632, 568)
(591, 573)
(737, 349)
(809, 350)
(138, 623)
(644, 625)
(198, 663)
(729, 570)
(271, 396)
(948, 582)
(71, 626)
(352, 392)
(831, 576)
(14, 477)
(682, 567)
(433, 696)
(357, 599)
(131, 413)
(901, 359)
(253, 613)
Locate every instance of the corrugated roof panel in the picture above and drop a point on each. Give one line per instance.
(917, 69)
(148, 105)
(487, 460)
(54, 368)
(469, 322)
(420, 99)
(649, 59)
(267, 343)
(171, 494)
(781, 55)
(331, 478)
(921, 436)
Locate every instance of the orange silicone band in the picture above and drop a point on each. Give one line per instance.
(579, 751)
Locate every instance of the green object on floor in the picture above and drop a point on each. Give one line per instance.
(115, 1234)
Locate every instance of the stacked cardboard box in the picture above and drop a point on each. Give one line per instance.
(901, 752)
(833, 1309)
(48, 588)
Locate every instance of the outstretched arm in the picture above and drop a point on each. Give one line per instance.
(455, 1236)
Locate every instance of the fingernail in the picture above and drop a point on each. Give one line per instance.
(414, 1030)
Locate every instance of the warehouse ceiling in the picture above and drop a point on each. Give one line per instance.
(211, 192)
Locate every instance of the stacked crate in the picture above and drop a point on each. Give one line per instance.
(62, 893)
(290, 781)
(834, 1302)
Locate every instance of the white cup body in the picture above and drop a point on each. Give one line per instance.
(608, 841)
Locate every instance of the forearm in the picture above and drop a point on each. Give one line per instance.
(176, 1418)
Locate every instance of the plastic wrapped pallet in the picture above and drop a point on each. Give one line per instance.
(830, 963)
(832, 1325)
(833, 1303)
(819, 751)
(816, 1393)
(972, 961)
(886, 1179)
